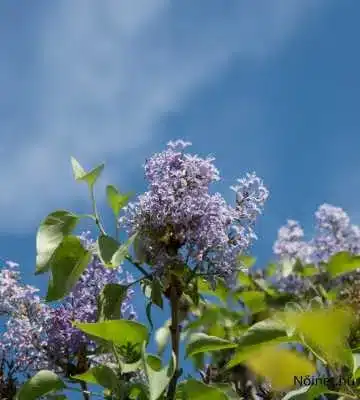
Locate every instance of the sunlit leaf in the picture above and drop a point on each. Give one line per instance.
(67, 265)
(81, 175)
(246, 261)
(119, 332)
(326, 330)
(116, 200)
(202, 343)
(254, 301)
(162, 336)
(196, 390)
(121, 253)
(158, 379)
(44, 382)
(264, 331)
(356, 365)
(342, 263)
(221, 291)
(130, 367)
(289, 364)
(244, 280)
(51, 232)
(310, 392)
(100, 375)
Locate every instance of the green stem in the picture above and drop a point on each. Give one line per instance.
(97, 218)
(116, 229)
(72, 389)
(139, 267)
(137, 281)
(314, 352)
(85, 392)
(175, 337)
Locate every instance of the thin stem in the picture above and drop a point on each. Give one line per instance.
(72, 389)
(137, 281)
(139, 267)
(116, 229)
(175, 337)
(84, 389)
(315, 354)
(97, 218)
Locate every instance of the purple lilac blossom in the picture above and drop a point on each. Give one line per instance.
(179, 220)
(333, 233)
(40, 336)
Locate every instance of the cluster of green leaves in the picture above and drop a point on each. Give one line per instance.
(251, 328)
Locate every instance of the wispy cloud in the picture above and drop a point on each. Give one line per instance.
(106, 72)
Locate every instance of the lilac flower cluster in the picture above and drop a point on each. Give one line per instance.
(11, 293)
(179, 220)
(40, 336)
(333, 233)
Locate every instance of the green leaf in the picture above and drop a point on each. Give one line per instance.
(154, 362)
(271, 269)
(289, 364)
(110, 300)
(310, 392)
(228, 390)
(326, 330)
(244, 280)
(111, 253)
(162, 336)
(140, 250)
(121, 253)
(207, 317)
(130, 367)
(67, 265)
(42, 383)
(107, 247)
(148, 314)
(221, 291)
(116, 200)
(81, 175)
(254, 301)
(356, 365)
(196, 390)
(246, 261)
(202, 343)
(138, 391)
(264, 333)
(158, 379)
(51, 232)
(342, 263)
(100, 375)
(78, 170)
(156, 293)
(146, 288)
(309, 270)
(119, 332)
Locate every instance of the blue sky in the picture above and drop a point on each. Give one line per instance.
(270, 86)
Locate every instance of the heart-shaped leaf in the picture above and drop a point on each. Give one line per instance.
(41, 384)
(67, 265)
(51, 233)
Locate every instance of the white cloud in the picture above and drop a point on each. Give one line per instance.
(108, 71)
